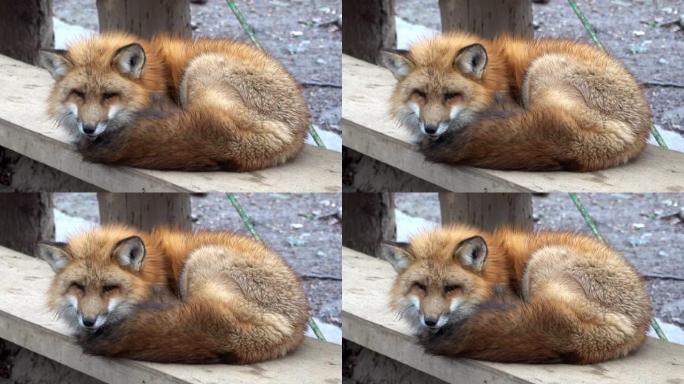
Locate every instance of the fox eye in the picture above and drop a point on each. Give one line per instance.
(109, 288)
(420, 286)
(109, 95)
(452, 288)
(451, 95)
(419, 93)
(78, 286)
(78, 93)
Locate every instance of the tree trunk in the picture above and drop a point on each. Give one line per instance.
(487, 210)
(487, 18)
(146, 210)
(145, 18)
(367, 219)
(368, 27)
(25, 27)
(25, 219)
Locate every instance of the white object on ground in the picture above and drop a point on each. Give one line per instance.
(66, 34)
(332, 140)
(673, 333)
(66, 225)
(408, 225)
(674, 140)
(331, 332)
(407, 33)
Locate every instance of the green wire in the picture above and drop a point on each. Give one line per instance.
(590, 30)
(594, 229)
(654, 131)
(246, 28)
(248, 223)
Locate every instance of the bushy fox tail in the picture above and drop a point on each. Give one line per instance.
(199, 138)
(538, 332)
(539, 139)
(198, 331)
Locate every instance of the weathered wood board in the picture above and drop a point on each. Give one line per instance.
(368, 129)
(26, 321)
(25, 128)
(368, 321)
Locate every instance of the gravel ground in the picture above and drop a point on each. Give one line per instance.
(304, 228)
(644, 34)
(647, 228)
(303, 34)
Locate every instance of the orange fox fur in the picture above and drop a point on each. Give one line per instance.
(519, 104)
(171, 103)
(518, 296)
(176, 296)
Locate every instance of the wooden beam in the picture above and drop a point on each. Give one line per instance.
(368, 129)
(365, 174)
(25, 219)
(25, 321)
(25, 27)
(26, 129)
(21, 174)
(487, 18)
(368, 28)
(368, 321)
(145, 18)
(146, 210)
(367, 219)
(487, 210)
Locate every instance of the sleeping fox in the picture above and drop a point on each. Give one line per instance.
(171, 103)
(176, 296)
(518, 104)
(516, 296)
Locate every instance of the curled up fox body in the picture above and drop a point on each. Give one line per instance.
(170, 103)
(175, 296)
(516, 296)
(518, 104)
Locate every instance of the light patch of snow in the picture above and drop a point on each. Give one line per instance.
(332, 333)
(66, 34)
(66, 225)
(673, 333)
(332, 140)
(674, 140)
(408, 225)
(408, 33)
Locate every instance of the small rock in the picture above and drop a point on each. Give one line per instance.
(639, 33)
(296, 226)
(663, 61)
(296, 33)
(638, 226)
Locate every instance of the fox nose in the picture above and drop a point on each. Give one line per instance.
(89, 128)
(431, 321)
(430, 129)
(89, 321)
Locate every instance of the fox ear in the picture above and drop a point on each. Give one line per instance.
(472, 252)
(55, 61)
(396, 254)
(130, 59)
(472, 60)
(130, 252)
(54, 253)
(397, 62)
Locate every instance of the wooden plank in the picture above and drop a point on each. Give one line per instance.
(25, 320)
(368, 321)
(368, 128)
(145, 18)
(25, 128)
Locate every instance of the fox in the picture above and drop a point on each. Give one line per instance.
(511, 103)
(517, 296)
(176, 104)
(175, 296)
